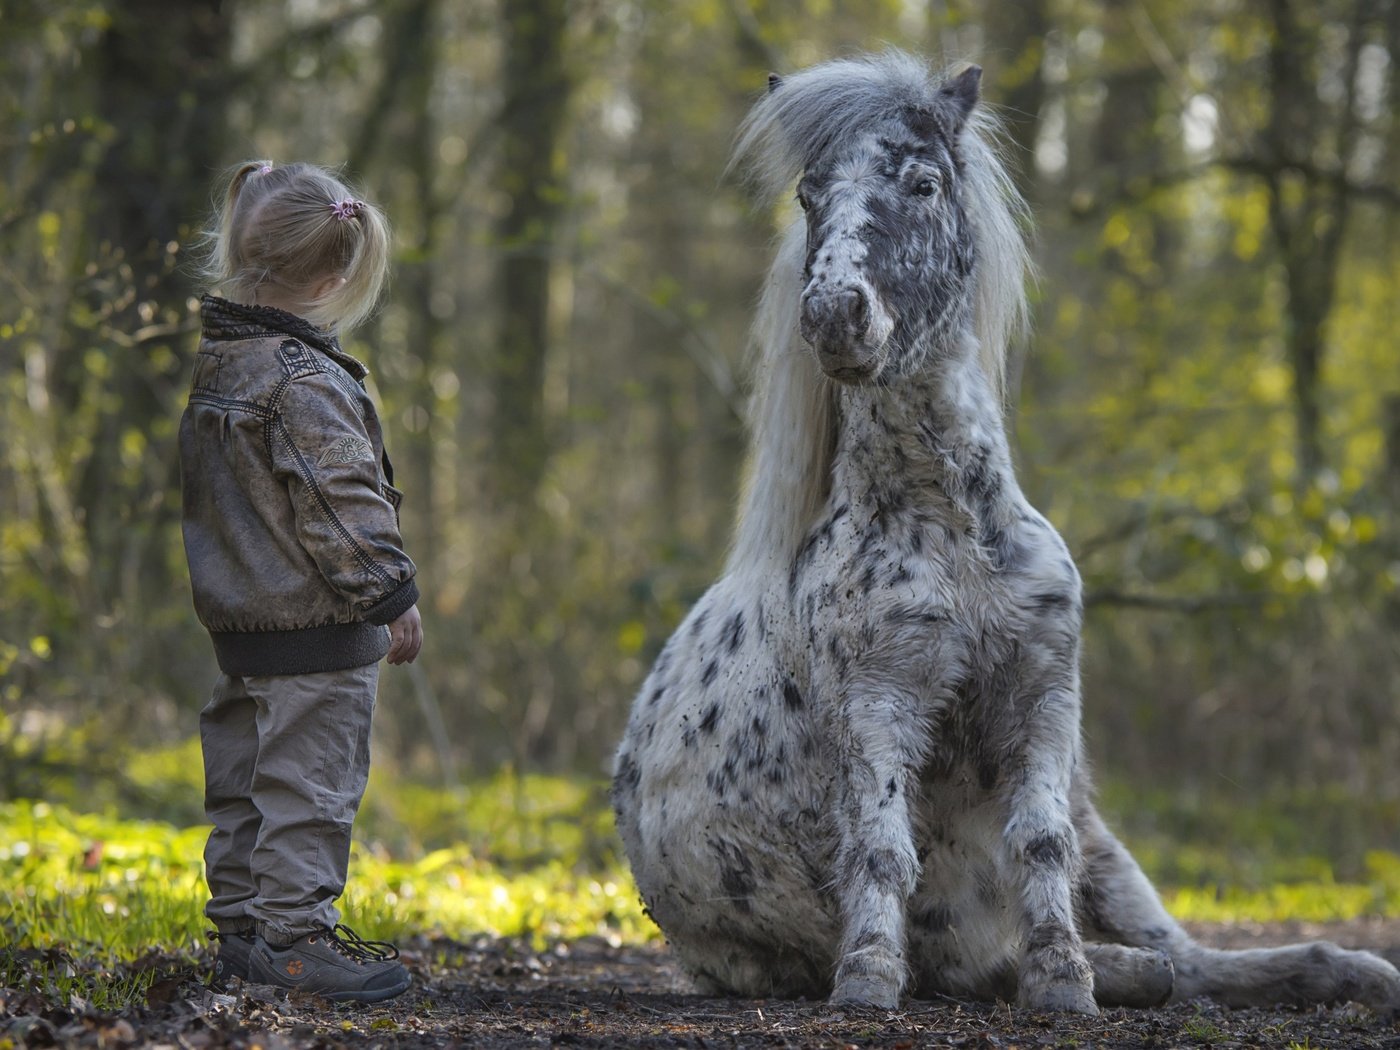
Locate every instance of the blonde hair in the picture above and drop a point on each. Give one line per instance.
(290, 228)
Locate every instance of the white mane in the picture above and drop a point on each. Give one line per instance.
(794, 414)
(792, 418)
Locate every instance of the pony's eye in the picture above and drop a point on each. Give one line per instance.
(925, 187)
(802, 200)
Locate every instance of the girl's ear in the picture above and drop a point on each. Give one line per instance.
(326, 286)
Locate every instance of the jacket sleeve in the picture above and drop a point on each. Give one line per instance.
(321, 450)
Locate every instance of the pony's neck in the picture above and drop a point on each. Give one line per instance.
(931, 437)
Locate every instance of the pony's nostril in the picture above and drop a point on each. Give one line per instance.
(859, 308)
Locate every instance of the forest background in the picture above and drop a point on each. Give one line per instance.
(1208, 407)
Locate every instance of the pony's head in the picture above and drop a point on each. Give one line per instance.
(911, 222)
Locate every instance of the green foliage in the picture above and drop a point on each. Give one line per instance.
(1319, 900)
(520, 821)
(529, 857)
(57, 978)
(1204, 838)
(1242, 610)
(1203, 1029)
(116, 887)
(536, 857)
(1308, 856)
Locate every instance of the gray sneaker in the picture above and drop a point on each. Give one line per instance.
(334, 963)
(232, 958)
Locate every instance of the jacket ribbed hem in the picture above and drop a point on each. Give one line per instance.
(392, 606)
(336, 647)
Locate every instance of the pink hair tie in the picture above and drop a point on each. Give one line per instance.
(264, 169)
(349, 208)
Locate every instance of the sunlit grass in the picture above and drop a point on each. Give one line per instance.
(115, 887)
(1321, 900)
(530, 857)
(77, 984)
(119, 888)
(449, 892)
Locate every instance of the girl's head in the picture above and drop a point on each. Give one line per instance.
(298, 236)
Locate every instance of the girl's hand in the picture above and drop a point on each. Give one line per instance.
(405, 637)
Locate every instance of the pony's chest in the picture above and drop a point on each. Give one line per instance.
(928, 599)
(866, 560)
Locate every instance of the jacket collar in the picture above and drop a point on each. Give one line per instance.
(225, 319)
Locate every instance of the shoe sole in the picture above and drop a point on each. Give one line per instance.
(378, 995)
(372, 995)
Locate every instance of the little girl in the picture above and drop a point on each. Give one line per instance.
(292, 535)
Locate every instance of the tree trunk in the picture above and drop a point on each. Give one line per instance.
(537, 87)
(1016, 38)
(1308, 211)
(410, 70)
(151, 188)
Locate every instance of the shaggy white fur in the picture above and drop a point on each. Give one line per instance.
(855, 769)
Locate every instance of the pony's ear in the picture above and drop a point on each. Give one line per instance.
(957, 97)
(947, 113)
(774, 82)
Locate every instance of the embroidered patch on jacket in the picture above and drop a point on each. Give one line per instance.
(346, 450)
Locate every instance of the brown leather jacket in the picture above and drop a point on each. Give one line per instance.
(290, 519)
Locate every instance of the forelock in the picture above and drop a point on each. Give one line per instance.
(797, 123)
(806, 114)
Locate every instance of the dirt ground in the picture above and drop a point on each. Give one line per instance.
(499, 994)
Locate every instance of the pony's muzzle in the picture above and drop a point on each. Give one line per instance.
(845, 331)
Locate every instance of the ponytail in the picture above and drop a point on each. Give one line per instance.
(290, 228)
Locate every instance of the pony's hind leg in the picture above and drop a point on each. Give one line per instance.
(1133, 977)
(1298, 974)
(1117, 904)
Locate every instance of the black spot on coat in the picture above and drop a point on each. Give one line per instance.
(792, 696)
(734, 631)
(885, 869)
(1047, 851)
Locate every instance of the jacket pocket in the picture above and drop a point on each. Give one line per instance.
(206, 371)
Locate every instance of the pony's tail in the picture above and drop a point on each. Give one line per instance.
(792, 419)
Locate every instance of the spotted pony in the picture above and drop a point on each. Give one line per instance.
(855, 770)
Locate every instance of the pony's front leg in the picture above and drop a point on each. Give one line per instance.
(876, 864)
(1043, 848)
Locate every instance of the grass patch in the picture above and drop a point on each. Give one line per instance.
(1316, 900)
(79, 985)
(536, 857)
(1203, 1030)
(532, 857)
(115, 887)
(1315, 856)
(1191, 837)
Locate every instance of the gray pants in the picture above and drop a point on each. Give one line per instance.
(286, 759)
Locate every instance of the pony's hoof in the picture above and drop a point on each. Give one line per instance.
(1060, 998)
(864, 990)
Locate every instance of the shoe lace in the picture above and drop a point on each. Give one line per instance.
(352, 945)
